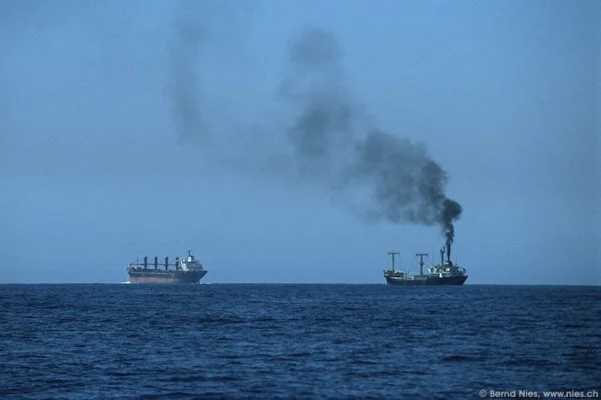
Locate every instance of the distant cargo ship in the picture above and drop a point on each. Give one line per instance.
(445, 273)
(186, 270)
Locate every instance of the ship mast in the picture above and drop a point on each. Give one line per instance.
(393, 253)
(421, 262)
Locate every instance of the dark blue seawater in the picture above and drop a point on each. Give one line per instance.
(297, 341)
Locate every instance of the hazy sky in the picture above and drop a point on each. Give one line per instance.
(152, 127)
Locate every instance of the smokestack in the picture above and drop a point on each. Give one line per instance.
(145, 262)
(156, 262)
(442, 256)
(166, 263)
(451, 211)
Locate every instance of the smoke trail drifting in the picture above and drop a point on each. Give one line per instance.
(406, 185)
(185, 55)
(334, 142)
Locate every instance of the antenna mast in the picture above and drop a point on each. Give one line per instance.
(393, 253)
(421, 262)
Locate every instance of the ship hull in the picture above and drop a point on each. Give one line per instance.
(427, 281)
(165, 276)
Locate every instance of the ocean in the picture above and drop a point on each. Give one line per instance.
(297, 341)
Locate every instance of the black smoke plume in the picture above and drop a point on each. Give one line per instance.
(332, 138)
(334, 141)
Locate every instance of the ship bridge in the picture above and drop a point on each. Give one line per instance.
(189, 263)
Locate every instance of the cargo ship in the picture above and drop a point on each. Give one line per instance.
(186, 270)
(445, 273)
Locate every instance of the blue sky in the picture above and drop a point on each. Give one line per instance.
(95, 170)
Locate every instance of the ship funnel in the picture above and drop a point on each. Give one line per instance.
(448, 251)
(442, 256)
(166, 263)
(156, 262)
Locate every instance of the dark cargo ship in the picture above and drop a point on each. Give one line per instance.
(186, 270)
(445, 273)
